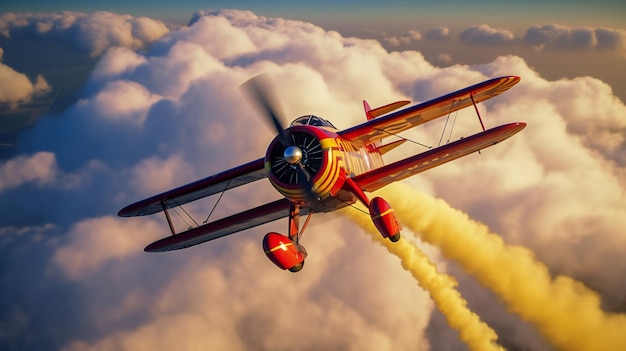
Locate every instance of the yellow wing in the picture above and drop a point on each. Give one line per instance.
(385, 126)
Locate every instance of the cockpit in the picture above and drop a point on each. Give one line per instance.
(311, 120)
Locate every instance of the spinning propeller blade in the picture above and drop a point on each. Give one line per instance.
(261, 91)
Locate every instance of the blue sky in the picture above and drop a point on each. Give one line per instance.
(606, 12)
(98, 110)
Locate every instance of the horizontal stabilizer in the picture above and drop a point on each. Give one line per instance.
(379, 111)
(388, 147)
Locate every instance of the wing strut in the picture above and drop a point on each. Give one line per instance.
(167, 216)
(477, 112)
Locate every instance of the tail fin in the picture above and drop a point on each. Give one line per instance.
(368, 109)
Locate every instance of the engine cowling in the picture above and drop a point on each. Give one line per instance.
(314, 157)
(385, 219)
(284, 252)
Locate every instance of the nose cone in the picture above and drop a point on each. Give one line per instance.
(292, 155)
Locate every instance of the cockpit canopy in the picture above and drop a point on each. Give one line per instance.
(311, 120)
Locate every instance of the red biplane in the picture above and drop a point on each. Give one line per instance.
(318, 168)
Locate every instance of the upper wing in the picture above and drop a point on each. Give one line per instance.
(214, 184)
(377, 178)
(402, 120)
(222, 227)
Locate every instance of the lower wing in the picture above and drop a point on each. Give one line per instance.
(378, 178)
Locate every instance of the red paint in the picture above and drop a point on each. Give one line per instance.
(282, 251)
(384, 217)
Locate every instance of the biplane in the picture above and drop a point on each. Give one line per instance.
(318, 168)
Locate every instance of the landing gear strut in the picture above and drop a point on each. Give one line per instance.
(381, 212)
(286, 252)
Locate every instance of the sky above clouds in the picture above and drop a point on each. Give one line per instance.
(138, 102)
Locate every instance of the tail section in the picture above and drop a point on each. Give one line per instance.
(371, 113)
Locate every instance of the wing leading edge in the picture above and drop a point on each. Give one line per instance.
(396, 122)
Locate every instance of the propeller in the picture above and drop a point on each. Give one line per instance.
(260, 90)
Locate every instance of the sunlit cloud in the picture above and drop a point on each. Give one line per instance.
(40, 168)
(406, 39)
(16, 88)
(438, 34)
(156, 116)
(486, 35)
(93, 32)
(94, 242)
(559, 37)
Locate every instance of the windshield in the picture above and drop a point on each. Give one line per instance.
(311, 120)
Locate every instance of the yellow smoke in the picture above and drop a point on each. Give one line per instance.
(441, 288)
(566, 313)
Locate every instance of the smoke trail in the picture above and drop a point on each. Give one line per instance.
(441, 288)
(566, 313)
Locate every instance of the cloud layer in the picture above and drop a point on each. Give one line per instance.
(151, 120)
(558, 37)
(86, 33)
(549, 37)
(16, 88)
(93, 32)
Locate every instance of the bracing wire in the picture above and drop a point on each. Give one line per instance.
(360, 210)
(217, 202)
(183, 218)
(452, 127)
(444, 130)
(446, 124)
(403, 138)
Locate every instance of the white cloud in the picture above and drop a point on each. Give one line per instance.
(438, 34)
(16, 88)
(219, 304)
(116, 62)
(486, 35)
(559, 37)
(405, 39)
(92, 243)
(153, 175)
(554, 187)
(233, 40)
(94, 32)
(121, 100)
(39, 168)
